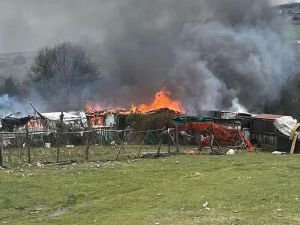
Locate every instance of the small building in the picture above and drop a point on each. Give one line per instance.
(266, 136)
(263, 132)
(108, 118)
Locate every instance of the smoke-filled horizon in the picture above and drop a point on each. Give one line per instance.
(211, 54)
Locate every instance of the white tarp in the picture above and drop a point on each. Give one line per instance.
(68, 117)
(285, 124)
(229, 115)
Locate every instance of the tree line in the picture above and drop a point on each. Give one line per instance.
(57, 75)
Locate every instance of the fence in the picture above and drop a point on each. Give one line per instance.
(101, 144)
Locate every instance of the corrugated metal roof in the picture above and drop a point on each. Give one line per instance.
(267, 116)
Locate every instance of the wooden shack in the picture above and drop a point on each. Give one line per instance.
(266, 136)
(263, 132)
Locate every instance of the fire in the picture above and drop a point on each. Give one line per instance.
(91, 106)
(94, 112)
(161, 100)
(35, 123)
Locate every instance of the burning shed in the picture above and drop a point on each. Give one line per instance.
(48, 121)
(108, 118)
(11, 123)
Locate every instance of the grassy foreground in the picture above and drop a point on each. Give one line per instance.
(257, 188)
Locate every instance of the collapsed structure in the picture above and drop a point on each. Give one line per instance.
(227, 129)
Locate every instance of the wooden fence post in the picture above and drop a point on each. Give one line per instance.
(160, 140)
(58, 149)
(59, 132)
(126, 134)
(28, 145)
(159, 146)
(177, 140)
(143, 142)
(88, 136)
(1, 152)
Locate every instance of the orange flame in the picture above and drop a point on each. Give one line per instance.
(35, 123)
(161, 100)
(95, 116)
(91, 106)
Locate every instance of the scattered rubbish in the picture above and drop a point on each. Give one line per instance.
(70, 146)
(155, 155)
(231, 152)
(40, 165)
(184, 133)
(205, 205)
(236, 211)
(19, 207)
(58, 212)
(197, 219)
(47, 145)
(157, 223)
(278, 153)
(195, 152)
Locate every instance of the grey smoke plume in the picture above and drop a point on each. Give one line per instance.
(11, 105)
(211, 54)
(218, 64)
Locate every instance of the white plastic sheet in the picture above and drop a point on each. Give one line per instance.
(285, 124)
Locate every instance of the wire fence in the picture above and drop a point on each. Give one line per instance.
(89, 145)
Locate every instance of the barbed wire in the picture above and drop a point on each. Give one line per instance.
(81, 132)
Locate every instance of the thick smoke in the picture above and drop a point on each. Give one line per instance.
(212, 54)
(218, 65)
(11, 105)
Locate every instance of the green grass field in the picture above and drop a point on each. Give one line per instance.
(257, 188)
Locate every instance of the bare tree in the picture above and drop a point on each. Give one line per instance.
(60, 74)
